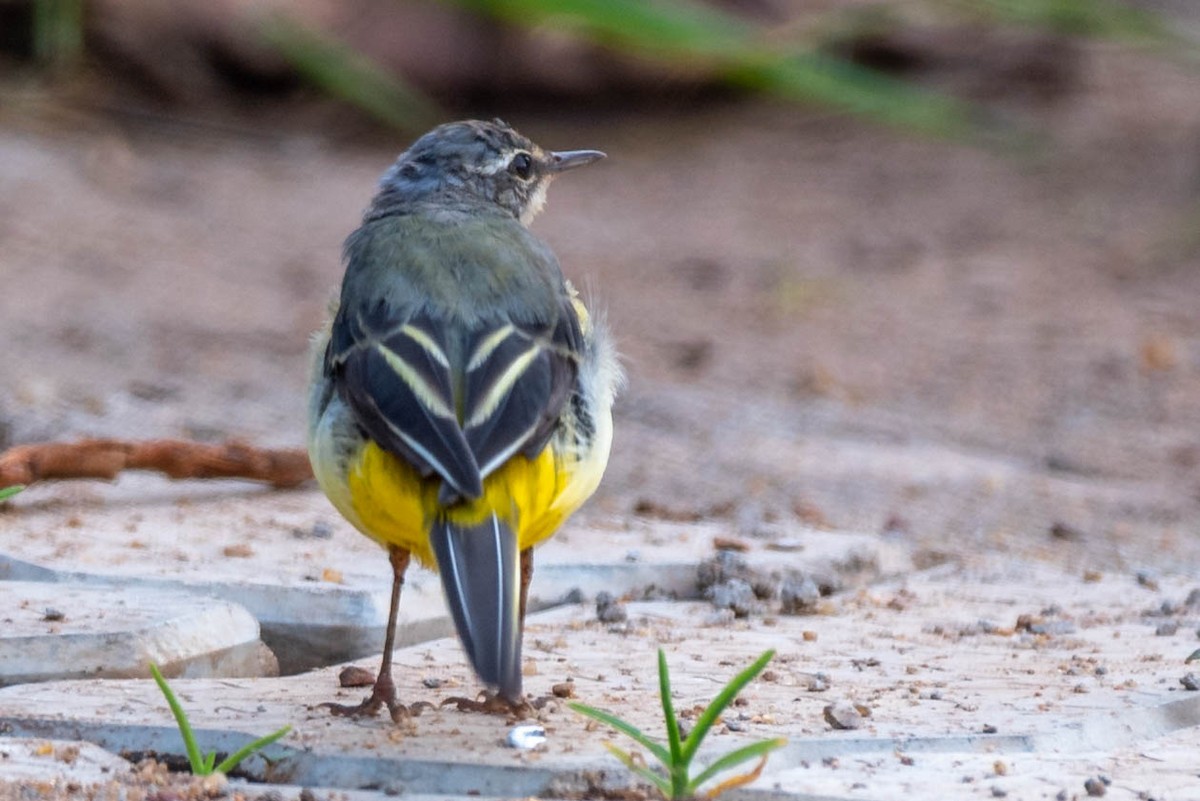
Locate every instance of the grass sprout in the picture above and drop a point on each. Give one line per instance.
(675, 781)
(204, 765)
(8, 492)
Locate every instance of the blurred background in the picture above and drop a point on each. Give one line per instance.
(928, 267)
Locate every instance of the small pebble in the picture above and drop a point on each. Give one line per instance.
(735, 594)
(355, 676)
(609, 609)
(1095, 787)
(564, 689)
(1190, 681)
(799, 595)
(320, 530)
(432, 682)
(1167, 629)
(845, 715)
(989, 729)
(1193, 598)
(998, 792)
(526, 736)
(52, 615)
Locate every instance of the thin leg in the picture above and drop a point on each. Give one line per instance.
(526, 577)
(384, 692)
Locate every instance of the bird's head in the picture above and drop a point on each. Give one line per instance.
(478, 160)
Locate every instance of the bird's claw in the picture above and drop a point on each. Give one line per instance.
(370, 707)
(492, 704)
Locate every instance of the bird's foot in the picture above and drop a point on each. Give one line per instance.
(370, 707)
(492, 704)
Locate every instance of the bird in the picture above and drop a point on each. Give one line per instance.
(460, 402)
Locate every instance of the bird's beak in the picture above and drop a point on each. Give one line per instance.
(564, 160)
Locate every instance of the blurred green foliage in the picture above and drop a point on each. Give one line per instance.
(786, 62)
(338, 70)
(58, 32)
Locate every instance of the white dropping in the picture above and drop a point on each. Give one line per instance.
(527, 736)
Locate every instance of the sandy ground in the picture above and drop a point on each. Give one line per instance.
(820, 319)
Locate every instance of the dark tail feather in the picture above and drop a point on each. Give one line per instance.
(480, 568)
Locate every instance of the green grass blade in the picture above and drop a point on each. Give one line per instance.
(209, 761)
(348, 75)
(58, 31)
(734, 758)
(664, 28)
(628, 729)
(8, 492)
(185, 728)
(677, 768)
(723, 699)
(230, 762)
(628, 761)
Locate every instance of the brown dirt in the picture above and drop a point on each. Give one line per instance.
(823, 322)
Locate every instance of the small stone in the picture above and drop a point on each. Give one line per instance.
(564, 689)
(432, 682)
(609, 609)
(214, 785)
(1095, 787)
(998, 792)
(1000, 767)
(735, 594)
(1190, 681)
(320, 530)
(355, 676)
(989, 729)
(238, 551)
(815, 682)
(799, 595)
(306, 794)
(1167, 629)
(1092, 576)
(720, 568)
(526, 737)
(52, 615)
(1193, 598)
(1065, 531)
(844, 715)
(1147, 579)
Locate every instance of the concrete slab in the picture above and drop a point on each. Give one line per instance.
(320, 590)
(62, 631)
(1055, 676)
(57, 761)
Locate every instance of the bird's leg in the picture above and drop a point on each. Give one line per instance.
(384, 692)
(497, 704)
(526, 577)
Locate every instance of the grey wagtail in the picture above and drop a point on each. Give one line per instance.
(460, 406)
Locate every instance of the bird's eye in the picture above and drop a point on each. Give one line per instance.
(521, 165)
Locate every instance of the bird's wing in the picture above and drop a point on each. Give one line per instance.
(454, 399)
(518, 377)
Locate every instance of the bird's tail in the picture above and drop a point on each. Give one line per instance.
(480, 569)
